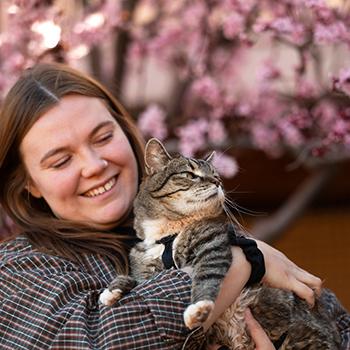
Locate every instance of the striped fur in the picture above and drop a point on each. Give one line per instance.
(184, 197)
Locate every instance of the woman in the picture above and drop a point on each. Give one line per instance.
(70, 164)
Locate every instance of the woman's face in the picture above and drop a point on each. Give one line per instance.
(80, 161)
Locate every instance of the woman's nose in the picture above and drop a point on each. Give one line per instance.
(93, 164)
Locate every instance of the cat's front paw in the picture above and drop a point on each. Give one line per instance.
(109, 297)
(197, 313)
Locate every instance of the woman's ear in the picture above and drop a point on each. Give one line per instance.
(33, 189)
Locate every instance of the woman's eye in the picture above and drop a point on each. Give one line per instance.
(104, 138)
(60, 163)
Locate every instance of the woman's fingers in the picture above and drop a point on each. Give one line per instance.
(283, 273)
(305, 285)
(261, 340)
(303, 291)
(315, 283)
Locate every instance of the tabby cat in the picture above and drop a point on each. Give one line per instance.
(181, 200)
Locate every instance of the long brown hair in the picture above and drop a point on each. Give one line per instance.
(36, 91)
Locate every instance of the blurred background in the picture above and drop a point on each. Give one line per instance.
(264, 83)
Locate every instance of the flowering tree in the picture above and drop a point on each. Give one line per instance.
(273, 76)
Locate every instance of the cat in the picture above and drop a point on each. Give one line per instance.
(181, 203)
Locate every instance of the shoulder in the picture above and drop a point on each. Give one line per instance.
(15, 248)
(19, 255)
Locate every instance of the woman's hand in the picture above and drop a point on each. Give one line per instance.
(261, 340)
(283, 273)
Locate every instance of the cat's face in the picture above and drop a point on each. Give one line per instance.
(181, 186)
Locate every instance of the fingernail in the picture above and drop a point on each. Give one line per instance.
(224, 347)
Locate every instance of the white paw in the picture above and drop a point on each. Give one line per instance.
(109, 298)
(197, 313)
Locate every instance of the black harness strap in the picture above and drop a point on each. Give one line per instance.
(167, 256)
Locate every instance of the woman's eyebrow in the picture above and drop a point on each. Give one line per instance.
(94, 131)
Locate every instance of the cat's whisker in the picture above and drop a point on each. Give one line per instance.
(233, 205)
(233, 220)
(249, 211)
(229, 215)
(242, 210)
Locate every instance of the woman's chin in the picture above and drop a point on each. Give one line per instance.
(110, 217)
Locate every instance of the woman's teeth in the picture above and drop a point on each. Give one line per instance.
(102, 189)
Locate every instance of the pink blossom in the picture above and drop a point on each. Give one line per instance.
(330, 33)
(192, 136)
(290, 134)
(266, 139)
(288, 27)
(268, 107)
(300, 118)
(152, 122)
(313, 3)
(168, 37)
(137, 51)
(268, 71)
(299, 34)
(194, 13)
(339, 130)
(342, 82)
(207, 89)
(244, 109)
(225, 165)
(216, 132)
(283, 25)
(325, 114)
(306, 88)
(233, 25)
(323, 12)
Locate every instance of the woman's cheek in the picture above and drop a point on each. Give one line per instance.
(64, 182)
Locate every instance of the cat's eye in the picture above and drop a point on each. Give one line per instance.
(189, 175)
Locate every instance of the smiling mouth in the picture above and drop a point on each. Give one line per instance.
(101, 189)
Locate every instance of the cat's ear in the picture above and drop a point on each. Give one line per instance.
(209, 158)
(156, 156)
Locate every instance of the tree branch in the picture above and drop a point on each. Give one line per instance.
(271, 228)
(95, 62)
(121, 47)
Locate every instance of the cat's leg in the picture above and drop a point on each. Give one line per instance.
(118, 287)
(197, 313)
(210, 266)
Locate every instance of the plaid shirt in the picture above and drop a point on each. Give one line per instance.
(51, 303)
(48, 302)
